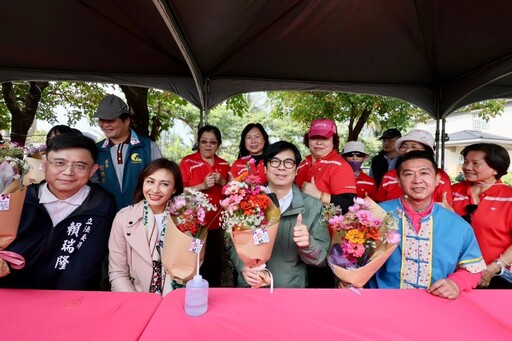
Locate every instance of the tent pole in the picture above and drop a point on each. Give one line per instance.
(177, 33)
(443, 137)
(437, 140)
(437, 99)
(206, 92)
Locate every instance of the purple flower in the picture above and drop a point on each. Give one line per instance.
(336, 257)
(179, 202)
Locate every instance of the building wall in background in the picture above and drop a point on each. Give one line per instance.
(459, 121)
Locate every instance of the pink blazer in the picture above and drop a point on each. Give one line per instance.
(130, 264)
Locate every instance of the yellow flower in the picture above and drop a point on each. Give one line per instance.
(355, 236)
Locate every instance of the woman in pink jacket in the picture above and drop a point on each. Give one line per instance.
(138, 231)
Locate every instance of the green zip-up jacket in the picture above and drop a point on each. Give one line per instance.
(288, 262)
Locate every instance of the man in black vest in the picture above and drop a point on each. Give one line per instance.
(65, 222)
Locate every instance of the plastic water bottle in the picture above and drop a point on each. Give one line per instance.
(196, 296)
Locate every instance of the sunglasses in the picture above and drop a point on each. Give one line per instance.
(469, 209)
(352, 154)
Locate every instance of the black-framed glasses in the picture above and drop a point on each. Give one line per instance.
(287, 163)
(352, 154)
(469, 209)
(62, 165)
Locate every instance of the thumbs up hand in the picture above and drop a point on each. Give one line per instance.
(445, 203)
(310, 188)
(300, 233)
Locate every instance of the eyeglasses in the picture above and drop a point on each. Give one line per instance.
(210, 142)
(287, 163)
(410, 147)
(469, 209)
(62, 165)
(356, 154)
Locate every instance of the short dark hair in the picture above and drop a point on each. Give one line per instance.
(210, 129)
(278, 147)
(153, 166)
(124, 116)
(73, 140)
(242, 148)
(335, 141)
(495, 156)
(60, 129)
(414, 155)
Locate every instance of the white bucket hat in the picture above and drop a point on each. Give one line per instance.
(354, 146)
(417, 135)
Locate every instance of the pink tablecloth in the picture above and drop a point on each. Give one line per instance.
(299, 314)
(74, 315)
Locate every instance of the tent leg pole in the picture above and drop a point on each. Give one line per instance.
(443, 135)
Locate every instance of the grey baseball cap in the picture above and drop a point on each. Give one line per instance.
(111, 107)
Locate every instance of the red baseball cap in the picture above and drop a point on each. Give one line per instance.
(322, 127)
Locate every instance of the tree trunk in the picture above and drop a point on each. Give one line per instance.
(156, 123)
(354, 131)
(22, 114)
(137, 98)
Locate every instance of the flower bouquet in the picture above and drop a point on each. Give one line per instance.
(11, 166)
(186, 233)
(251, 219)
(11, 205)
(363, 239)
(34, 173)
(12, 196)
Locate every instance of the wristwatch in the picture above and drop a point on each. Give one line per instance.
(502, 267)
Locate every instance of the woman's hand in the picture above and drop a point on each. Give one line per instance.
(218, 178)
(311, 189)
(252, 277)
(491, 270)
(445, 288)
(209, 181)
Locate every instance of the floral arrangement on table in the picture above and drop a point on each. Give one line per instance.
(251, 219)
(363, 239)
(186, 233)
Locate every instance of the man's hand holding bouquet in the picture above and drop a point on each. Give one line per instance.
(251, 219)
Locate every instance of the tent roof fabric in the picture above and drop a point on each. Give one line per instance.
(438, 55)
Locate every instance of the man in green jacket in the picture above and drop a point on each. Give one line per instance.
(302, 237)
